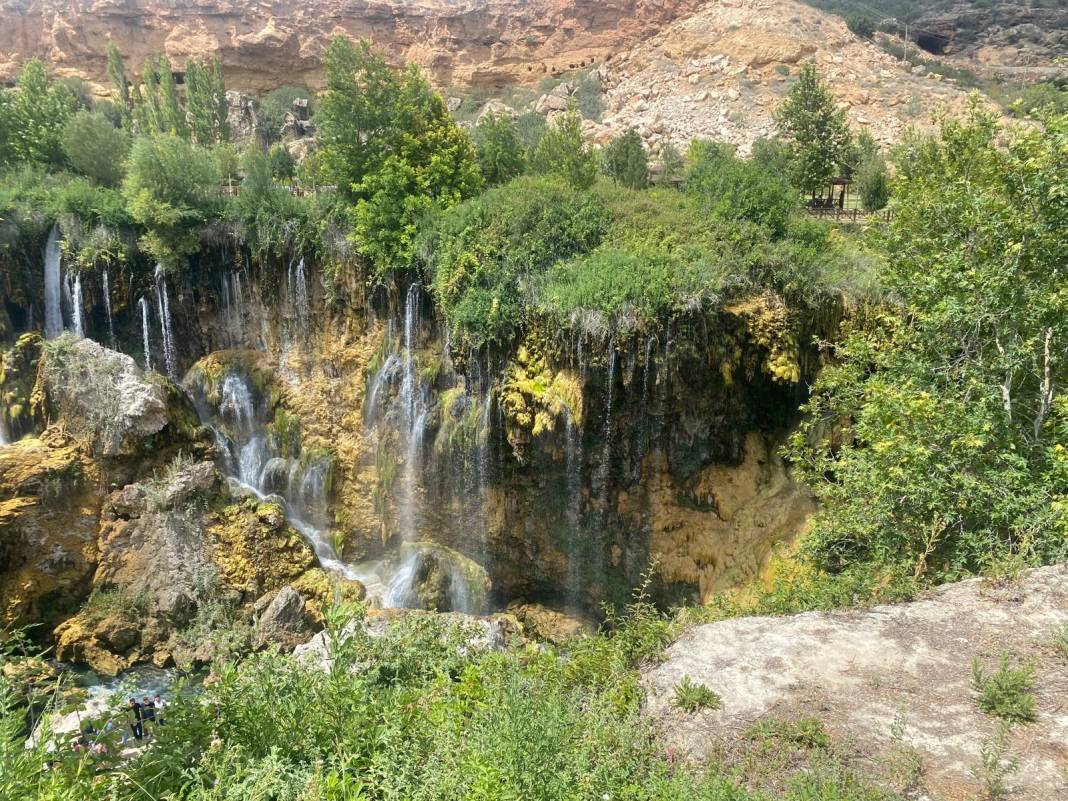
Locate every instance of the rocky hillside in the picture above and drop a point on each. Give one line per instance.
(894, 682)
(676, 70)
(262, 44)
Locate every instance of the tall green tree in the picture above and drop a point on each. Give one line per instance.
(120, 85)
(816, 131)
(207, 124)
(563, 152)
(392, 148)
(625, 161)
(937, 437)
(171, 114)
(500, 155)
(38, 109)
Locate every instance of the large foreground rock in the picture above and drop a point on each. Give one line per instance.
(860, 671)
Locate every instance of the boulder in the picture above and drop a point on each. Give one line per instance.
(866, 673)
(104, 397)
(283, 620)
(549, 625)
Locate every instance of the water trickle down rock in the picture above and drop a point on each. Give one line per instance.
(166, 329)
(74, 283)
(106, 289)
(52, 285)
(145, 342)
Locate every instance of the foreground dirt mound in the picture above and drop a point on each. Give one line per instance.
(905, 669)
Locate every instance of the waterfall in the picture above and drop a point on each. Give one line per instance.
(573, 512)
(75, 284)
(300, 298)
(251, 459)
(605, 467)
(107, 308)
(143, 303)
(5, 435)
(164, 304)
(53, 291)
(415, 413)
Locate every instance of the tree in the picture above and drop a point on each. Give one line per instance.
(500, 155)
(358, 114)
(625, 161)
(283, 165)
(38, 110)
(121, 87)
(171, 117)
(948, 451)
(171, 188)
(206, 110)
(815, 130)
(95, 147)
(873, 183)
(562, 152)
(735, 189)
(672, 165)
(391, 147)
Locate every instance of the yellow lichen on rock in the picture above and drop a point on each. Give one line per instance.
(321, 590)
(767, 321)
(48, 522)
(534, 397)
(255, 549)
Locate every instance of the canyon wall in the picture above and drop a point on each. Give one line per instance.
(262, 45)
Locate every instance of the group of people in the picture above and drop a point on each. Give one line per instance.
(145, 715)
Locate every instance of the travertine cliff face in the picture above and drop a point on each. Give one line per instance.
(264, 44)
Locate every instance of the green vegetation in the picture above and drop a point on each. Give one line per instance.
(563, 152)
(411, 714)
(815, 131)
(693, 696)
(391, 147)
(625, 161)
(1006, 694)
(955, 457)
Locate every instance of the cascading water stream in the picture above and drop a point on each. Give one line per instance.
(300, 298)
(5, 435)
(107, 308)
(163, 302)
(75, 287)
(414, 406)
(146, 344)
(53, 325)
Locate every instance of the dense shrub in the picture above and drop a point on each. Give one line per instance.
(95, 147)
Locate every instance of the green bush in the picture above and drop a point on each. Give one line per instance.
(171, 189)
(562, 152)
(692, 696)
(95, 147)
(801, 733)
(625, 161)
(1006, 694)
(482, 255)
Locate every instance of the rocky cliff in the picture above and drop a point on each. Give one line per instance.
(262, 44)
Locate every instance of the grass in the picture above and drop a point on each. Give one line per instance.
(801, 733)
(112, 602)
(692, 696)
(1006, 693)
(1060, 640)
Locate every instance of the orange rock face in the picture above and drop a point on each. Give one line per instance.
(271, 42)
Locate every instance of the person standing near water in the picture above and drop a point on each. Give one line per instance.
(148, 715)
(137, 724)
(160, 704)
